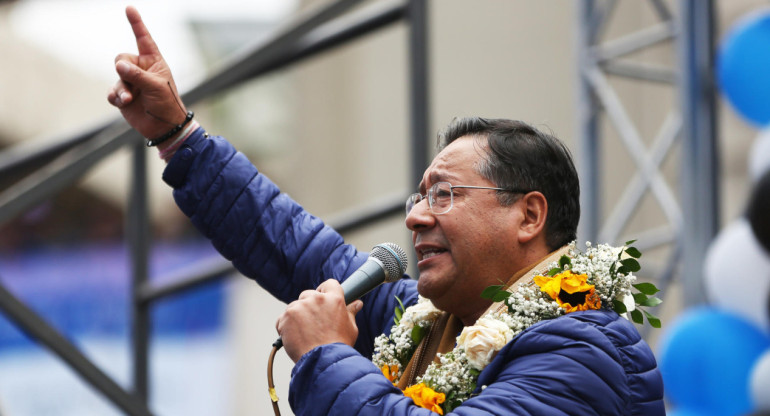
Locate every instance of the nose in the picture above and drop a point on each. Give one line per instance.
(420, 217)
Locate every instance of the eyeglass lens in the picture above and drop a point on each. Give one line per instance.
(440, 198)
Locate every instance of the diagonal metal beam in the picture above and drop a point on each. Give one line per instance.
(636, 41)
(598, 19)
(62, 172)
(662, 10)
(74, 163)
(638, 185)
(29, 322)
(642, 72)
(633, 142)
(309, 36)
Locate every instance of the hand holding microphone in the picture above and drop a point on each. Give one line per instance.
(321, 316)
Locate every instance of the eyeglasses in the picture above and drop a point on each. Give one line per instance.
(441, 196)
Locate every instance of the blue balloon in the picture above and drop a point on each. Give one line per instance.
(684, 412)
(743, 65)
(706, 357)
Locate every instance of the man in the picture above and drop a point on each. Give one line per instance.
(498, 201)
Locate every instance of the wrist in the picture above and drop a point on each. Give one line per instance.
(169, 147)
(174, 132)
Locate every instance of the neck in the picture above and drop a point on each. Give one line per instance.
(538, 261)
(471, 319)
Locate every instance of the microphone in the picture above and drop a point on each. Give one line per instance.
(386, 263)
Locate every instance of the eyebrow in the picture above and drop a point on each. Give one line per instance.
(433, 178)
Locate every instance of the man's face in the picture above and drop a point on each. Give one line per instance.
(472, 246)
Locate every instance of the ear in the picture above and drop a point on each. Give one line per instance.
(534, 206)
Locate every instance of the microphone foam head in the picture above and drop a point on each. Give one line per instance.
(393, 259)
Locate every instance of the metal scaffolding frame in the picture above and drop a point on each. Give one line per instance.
(691, 123)
(64, 162)
(67, 160)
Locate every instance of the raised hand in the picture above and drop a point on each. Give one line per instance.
(146, 94)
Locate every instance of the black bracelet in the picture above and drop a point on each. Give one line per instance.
(172, 132)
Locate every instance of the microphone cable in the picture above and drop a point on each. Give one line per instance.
(277, 345)
(387, 263)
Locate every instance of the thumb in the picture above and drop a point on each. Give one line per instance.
(355, 307)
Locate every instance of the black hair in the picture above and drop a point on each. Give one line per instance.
(523, 157)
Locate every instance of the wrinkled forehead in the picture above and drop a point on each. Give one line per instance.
(457, 163)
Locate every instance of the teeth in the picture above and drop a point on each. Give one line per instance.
(430, 253)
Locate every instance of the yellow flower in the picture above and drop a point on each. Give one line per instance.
(571, 291)
(426, 397)
(390, 372)
(550, 285)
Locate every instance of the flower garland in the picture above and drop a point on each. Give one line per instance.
(601, 277)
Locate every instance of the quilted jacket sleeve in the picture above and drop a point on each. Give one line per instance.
(589, 366)
(268, 236)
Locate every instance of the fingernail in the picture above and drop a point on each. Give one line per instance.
(124, 97)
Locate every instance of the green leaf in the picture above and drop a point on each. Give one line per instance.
(631, 265)
(623, 270)
(501, 296)
(418, 333)
(553, 272)
(654, 320)
(399, 311)
(651, 302)
(491, 291)
(634, 252)
(637, 316)
(640, 298)
(563, 261)
(619, 306)
(646, 288)
(628, 243)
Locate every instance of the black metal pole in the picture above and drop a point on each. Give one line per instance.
(138, 238)
(700, 164)
(418, 88)
(588, 138)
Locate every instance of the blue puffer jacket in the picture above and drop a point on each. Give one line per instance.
(585, 363)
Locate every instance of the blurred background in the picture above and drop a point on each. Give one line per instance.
(338, 132)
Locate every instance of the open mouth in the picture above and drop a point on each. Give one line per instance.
(431, 252)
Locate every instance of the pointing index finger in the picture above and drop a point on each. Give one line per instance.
(144, 41)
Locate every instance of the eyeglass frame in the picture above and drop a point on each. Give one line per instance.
(429, 195)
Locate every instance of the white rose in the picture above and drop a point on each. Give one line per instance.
(483, 340)
(630, 303)
(420, 312)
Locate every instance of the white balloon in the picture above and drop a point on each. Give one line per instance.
(737, 272)
(759, 382)
(759, 156)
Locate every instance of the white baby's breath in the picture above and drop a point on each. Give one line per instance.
(477, 345)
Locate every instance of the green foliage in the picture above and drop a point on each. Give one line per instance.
(399, 311)
(619, 306)
(646, 288)
(495, 293)
(491, 291)
(418, 333)
(643, 297)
